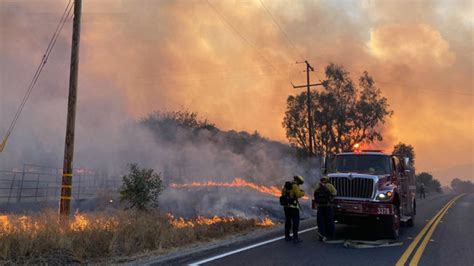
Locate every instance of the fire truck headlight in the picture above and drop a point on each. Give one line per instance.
(384, 195)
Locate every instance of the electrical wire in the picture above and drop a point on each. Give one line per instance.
(39, 69)
(234, 29)
(275, 22)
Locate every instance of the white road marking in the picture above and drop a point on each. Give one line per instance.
(246, 248)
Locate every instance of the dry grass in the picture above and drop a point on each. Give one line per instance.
(96, 237)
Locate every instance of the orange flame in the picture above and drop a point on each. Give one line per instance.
(265, 222)
(200, 220)
(80, 222)
(236, 183)
(20, 223)
(4, 222)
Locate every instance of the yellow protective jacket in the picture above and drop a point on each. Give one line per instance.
(331, 189)
(295, 193)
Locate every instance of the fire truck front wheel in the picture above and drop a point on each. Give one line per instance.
(392, 223)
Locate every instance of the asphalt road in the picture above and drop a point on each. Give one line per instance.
(448, 240)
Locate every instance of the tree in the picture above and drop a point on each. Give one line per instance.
(342, 113)
(141, 188)
(169, 125)
(402, 150)
(430, 183)
(462, 186)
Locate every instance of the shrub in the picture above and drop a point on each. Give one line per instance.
(141, 188)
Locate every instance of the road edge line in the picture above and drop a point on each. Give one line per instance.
(419, 252)
(404, 258)
(246, 248)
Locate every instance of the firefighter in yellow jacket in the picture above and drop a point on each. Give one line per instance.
(323, 196)
(292, 213)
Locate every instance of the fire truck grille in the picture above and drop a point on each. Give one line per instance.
(353, 188)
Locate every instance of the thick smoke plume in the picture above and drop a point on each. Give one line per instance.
(141, 56)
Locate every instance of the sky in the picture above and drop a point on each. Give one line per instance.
(233, 62)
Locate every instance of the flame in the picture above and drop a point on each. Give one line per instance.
(8, 225)
(236, 183)
(266, 222)
(200, 220)
(4, 222)
(79, 223)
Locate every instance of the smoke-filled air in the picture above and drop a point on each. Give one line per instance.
(214, 131)
(232, 64)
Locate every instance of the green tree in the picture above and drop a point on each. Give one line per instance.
(343, 114)
(402, 150)
(141, 188)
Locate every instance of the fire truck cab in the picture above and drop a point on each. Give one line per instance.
(373, 185)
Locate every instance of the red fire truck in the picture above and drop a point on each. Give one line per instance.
(373, 185)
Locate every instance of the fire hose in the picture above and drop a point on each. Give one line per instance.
(350, 243)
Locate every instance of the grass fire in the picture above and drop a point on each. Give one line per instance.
(92, 237)
(236, 183)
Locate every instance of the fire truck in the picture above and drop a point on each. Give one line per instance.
(373, 185)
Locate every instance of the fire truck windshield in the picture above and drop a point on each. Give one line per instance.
(363, 163)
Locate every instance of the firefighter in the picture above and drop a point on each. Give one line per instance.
(323, 196)
(422, 190)
(292, 213)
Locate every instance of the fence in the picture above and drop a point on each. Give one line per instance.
(34, 183)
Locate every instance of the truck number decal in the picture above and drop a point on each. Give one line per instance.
(383, 211)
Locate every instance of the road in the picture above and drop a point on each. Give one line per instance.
(448, 240)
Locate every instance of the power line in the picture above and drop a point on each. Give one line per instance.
(259, 52)
(37, 74)
(378, 81)
(301, 57)
(427, 90)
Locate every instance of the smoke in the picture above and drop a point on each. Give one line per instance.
(141, 56)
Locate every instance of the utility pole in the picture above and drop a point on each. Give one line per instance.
(66, 185)
(308, 97)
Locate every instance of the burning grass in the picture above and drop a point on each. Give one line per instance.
(99, 237)
(236, 183)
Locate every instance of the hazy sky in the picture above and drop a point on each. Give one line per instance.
(229, 61)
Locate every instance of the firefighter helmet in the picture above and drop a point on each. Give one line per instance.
(299, 179)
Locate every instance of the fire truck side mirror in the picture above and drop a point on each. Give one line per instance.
(324, 168)
(406, 161)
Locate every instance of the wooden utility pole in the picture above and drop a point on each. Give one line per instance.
(66, 185)
(310, 121)
(308, 97)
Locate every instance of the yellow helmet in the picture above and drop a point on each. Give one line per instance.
(299, 178)
(324, 177)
